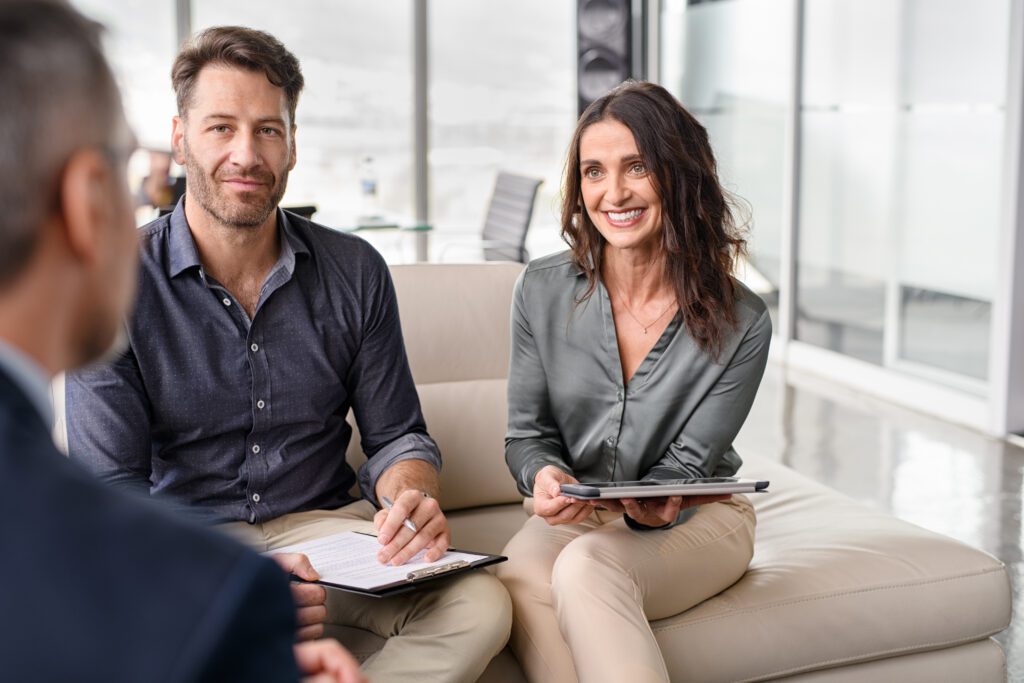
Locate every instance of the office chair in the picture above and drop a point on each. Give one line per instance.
(503, 237)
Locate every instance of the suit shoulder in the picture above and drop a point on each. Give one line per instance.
(104, 559)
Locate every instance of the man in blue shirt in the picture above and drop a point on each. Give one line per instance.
(96, 585)
(255, 333)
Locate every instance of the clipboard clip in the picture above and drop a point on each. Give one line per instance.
(436, 571)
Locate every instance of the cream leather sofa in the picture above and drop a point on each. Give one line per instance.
(836, 591)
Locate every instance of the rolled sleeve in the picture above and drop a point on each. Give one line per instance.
(408, 447)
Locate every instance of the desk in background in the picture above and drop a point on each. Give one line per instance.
(420, 231)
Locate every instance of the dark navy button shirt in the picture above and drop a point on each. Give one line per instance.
(246, 418)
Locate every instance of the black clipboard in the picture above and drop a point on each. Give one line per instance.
(411, 583)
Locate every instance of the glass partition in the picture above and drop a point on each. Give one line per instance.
(502, 98)
(901, 181)
(729, 64)
(357, 61)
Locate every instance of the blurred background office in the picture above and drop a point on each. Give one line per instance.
(877, 143)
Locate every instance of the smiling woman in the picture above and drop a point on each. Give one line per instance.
(618, 195)
(654, 150)
(606, 385)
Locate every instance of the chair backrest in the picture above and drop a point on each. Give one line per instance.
(508, 217)
(455, 322)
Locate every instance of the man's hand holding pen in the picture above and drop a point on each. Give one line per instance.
(412, 522)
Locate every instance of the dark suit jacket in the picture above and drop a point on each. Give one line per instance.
(98, 586)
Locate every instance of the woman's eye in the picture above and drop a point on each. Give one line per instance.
(638, 168)
(592, 173)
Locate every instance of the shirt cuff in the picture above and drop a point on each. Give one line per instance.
(408, 447)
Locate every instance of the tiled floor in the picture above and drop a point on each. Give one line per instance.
(937, 475)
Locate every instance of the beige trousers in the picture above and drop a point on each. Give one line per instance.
(446, 633)
(583, 594)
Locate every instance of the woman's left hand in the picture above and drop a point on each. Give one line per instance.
(655, 512)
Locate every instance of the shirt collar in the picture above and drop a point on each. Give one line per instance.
(30, 377)
(292, 244)
(182, 248)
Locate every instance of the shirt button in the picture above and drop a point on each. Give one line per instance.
(255, 497)
(260, 404)
(255, 448)
(227, 301)
(610, 441)
(255, 348)
(618, 395)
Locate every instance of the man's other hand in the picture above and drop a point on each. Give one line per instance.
(309, 598)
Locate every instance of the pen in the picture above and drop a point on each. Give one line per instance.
(407, 523)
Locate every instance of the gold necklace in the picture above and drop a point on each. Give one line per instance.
(650, 324)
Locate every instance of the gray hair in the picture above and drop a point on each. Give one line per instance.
(59, 96)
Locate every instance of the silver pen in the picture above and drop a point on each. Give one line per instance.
(407, 523)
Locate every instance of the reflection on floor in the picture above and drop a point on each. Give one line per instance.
(940, 476)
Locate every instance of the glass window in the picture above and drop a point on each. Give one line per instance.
(901, 175)
(502, 98)
(729, 64)
(140, 42)
(357, 61)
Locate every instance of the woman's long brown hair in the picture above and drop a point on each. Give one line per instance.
(700, 238)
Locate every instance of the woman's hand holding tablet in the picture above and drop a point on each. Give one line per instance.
(551, 504)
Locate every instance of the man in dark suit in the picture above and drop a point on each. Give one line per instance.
(94, 585)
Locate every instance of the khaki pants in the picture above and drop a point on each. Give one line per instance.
(582, 595)
(447, 633)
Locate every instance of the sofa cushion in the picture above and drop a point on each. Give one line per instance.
(467, 419)
(486, 529)
(982, 660)
(455, 319)
(833, 582)
(442, 307)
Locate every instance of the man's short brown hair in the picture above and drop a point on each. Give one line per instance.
(242, 47)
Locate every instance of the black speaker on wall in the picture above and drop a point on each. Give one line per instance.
(609, 47)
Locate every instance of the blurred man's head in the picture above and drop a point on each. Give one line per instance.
(67, 214)
(237, 90)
